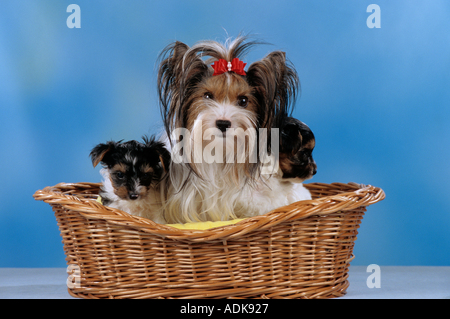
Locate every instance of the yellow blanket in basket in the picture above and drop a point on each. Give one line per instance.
(198, 225)
(205, 225)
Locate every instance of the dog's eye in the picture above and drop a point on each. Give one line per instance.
(307, 152)
(120, 175)
(242, 101)
(208, 95)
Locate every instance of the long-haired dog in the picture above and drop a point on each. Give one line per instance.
(218, 120)
(132, 174)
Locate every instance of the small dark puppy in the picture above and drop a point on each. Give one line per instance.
(295, 165)
(132, 173)
(296, 145)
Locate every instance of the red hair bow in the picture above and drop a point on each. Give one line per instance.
(222, 66)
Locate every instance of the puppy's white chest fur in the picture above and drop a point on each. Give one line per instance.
(271, 193)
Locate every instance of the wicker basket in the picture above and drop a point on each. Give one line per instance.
(298, 251)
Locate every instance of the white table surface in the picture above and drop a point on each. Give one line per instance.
(397, 282)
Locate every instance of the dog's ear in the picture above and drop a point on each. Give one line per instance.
(290, 139)
(180, 71)
(164, 157)
(169, 78)
(99, 152)
(171, 65)
(162, 152)
(179, 49)
(308, 138)
(276, 85)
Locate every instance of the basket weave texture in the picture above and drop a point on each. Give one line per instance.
(298, 251)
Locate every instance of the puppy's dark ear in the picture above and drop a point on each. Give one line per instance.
(164, 157)
(276, 84)
(162, 153)
(291, 139)
(98, 153)
(307, 135)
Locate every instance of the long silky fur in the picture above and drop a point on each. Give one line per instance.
(200, 192)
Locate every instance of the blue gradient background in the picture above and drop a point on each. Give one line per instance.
(376, 99)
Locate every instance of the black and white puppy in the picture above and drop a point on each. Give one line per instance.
(132, 176)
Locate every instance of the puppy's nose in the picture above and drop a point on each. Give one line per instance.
(314, 171)
(133, 196)
(223, 125)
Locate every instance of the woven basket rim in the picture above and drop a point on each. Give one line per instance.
(359, 196)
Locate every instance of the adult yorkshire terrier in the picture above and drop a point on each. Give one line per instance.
(218, 119)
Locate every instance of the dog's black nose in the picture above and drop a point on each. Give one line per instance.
(134, 196)
(223, 125)
(314, 171)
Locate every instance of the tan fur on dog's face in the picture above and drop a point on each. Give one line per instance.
(134, 168)
(222, 98)
(128, 179)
